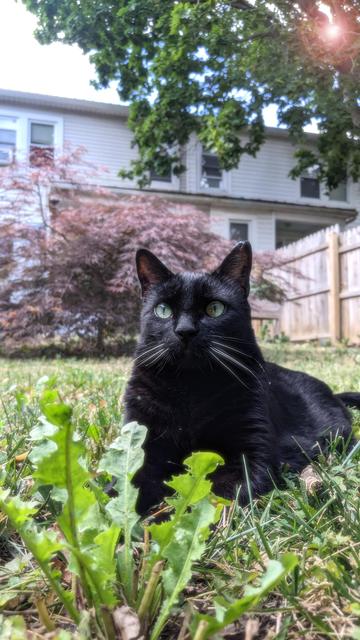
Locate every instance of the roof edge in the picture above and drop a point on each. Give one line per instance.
(66, 104)
(43, 100)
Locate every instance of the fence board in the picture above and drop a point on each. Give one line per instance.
(323, 276)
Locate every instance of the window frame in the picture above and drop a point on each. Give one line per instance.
(313, 179)
(242, 222)
(49, 119)
(33, 145)
(9, 146)
(224, 186)
(207, 176)
(221, 218)
(42, 124)
(160, 184)
(157, 178)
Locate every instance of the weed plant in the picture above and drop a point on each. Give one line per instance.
(76, 564)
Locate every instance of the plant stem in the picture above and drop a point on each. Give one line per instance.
(102, 612)
(44, 615)
(150, 590)
(144, 561)
(127, 563)
(108, 624)
(71, 510)
(171, 599)
(200, 633)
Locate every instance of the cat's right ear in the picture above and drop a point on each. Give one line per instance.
(150, 270)
(237, 266)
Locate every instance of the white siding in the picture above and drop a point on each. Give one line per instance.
(261, 226)
(265, 232)
(23, 118)
(264, 178)
(107, 141)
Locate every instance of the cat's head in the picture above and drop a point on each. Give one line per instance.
(191, 318)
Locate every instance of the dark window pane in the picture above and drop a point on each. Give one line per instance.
(239, 231)
(211, 171)
(309, 188)
(160, 178)
(42, 134)
(8, 136)
(211, 164)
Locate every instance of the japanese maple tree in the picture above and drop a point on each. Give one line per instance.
(69, 270)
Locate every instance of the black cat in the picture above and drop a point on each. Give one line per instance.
(200, 383)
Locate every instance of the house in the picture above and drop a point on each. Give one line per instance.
(256, 201)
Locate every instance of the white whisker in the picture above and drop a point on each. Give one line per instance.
(242, 353)
(152, 355)
(153, 359)
(166, 359)
(225, 366)
(230, 358)
(218, 335)
(143, 353)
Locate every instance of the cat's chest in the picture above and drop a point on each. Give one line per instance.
(193, 413)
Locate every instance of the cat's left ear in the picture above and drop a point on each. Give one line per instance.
(150, 270)
(237, 266)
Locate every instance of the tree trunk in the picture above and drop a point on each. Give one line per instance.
(100, 346)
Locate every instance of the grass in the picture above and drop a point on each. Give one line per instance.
(321, 598)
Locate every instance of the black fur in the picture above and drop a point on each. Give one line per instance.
(207, 388)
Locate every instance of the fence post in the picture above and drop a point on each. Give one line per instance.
(334, 288)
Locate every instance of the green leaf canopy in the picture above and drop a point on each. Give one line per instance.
(210, 67)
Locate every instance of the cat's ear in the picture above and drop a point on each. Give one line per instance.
(237, 266)
(150, 270)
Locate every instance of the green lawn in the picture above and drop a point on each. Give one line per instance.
(320, 598)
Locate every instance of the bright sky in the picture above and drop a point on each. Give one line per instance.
(56, 69)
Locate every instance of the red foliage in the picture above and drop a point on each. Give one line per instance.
(74, 274)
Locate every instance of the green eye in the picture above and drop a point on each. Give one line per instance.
(163, 311)
(215, 309)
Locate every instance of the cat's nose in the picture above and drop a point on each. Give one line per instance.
(185, 329)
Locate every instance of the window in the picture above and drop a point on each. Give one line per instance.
(211, 173)
(7, 139)
(41, 143)
(160, 178)
(239, 231)
(340, 192)
(310, 184)
(309, 187)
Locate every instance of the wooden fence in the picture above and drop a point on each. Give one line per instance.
(323, 286)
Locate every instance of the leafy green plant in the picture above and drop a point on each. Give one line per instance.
(101, 541)
(321, 528)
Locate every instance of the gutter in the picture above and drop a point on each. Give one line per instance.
(227, 202)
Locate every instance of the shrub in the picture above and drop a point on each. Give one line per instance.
(71, 273)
